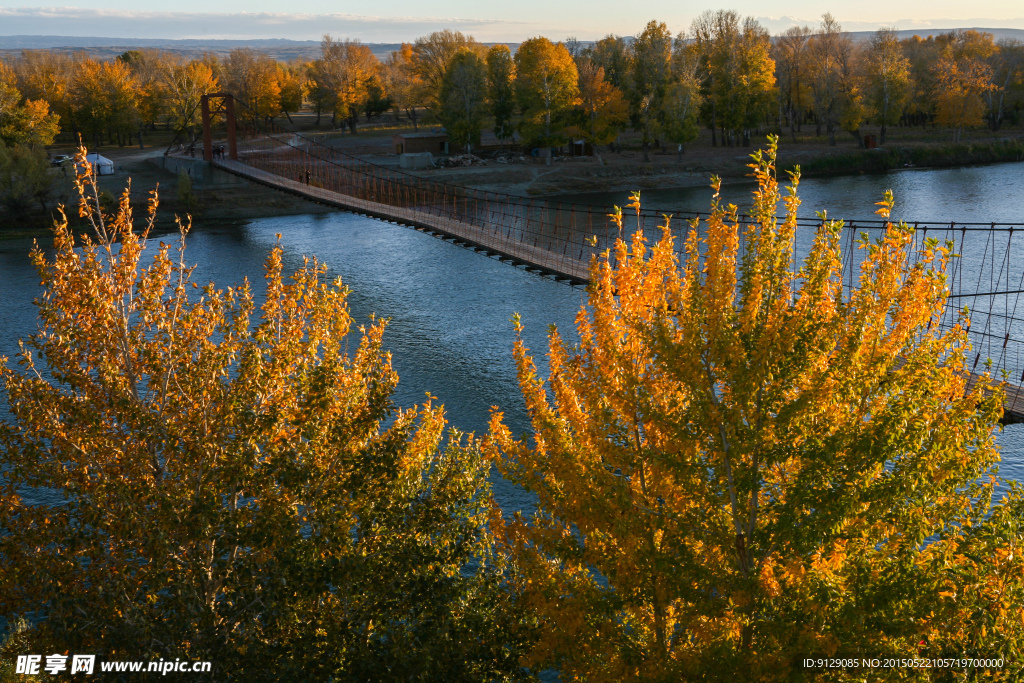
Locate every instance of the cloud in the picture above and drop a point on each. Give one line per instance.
(140, 24)
(71, 21)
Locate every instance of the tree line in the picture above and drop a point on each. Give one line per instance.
(743, 465)
(725, 74)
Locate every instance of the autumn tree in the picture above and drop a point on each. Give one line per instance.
(252, 77)
(922, 53)
(402, 85)
(648, 77)
(790, 51)
(185, 82)
(888, 77)
(463, 102)
(547, 85)
(602, 110)
(612, 54)
(739, 85)
(319, 96)
(235, 482)
(501, 93)
(681, 104)
(963, 76)
(431, 57)
(709, 31)
(745, 463)
(377, 100)
(853, 107)
(25, 179)
(343, 74)
(831, 53)
(105, 96)
(1007, 74)
(146, 67)
(23, 121)
(292, 80)
(47, 76)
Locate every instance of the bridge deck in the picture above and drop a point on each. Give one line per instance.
(532, 257)
(537, 258)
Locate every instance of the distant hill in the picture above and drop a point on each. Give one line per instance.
(284, 49)
(278, 48)
(43, 42)
(997, 33)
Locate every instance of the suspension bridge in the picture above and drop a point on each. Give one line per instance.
(559, 239)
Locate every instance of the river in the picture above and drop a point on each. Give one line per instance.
(450, 308)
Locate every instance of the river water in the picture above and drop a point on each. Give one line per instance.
(976, 194)
(450, 308)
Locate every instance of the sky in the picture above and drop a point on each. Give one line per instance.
(404, 20)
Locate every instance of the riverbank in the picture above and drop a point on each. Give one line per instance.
(625, 171)
(930, 156)
(134, 168)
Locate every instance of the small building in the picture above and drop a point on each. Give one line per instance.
(416, 161)
(415, 143)
(581, 148)
(101, 165)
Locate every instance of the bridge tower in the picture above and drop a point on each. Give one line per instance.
(225, 105)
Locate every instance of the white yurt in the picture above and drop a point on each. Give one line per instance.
(101, 164)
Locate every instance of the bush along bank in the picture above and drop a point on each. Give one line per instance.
(938, 156)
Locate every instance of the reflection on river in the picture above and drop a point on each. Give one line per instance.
(449, 308)
(976, 194)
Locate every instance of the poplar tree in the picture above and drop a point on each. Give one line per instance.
(23, 121)
(963, 76)
(682, 101)
(744, 463)
(230, 481)
(501, 94)
(603, 110)
(463, 102)
(649, 75)
(547, 86)
(888, 76)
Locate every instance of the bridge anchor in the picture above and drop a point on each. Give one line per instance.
(227, 107)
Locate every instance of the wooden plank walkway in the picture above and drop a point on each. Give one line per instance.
(559, 266)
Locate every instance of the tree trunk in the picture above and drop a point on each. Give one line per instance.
(647, 156)
(679, 153)
(881, 133)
